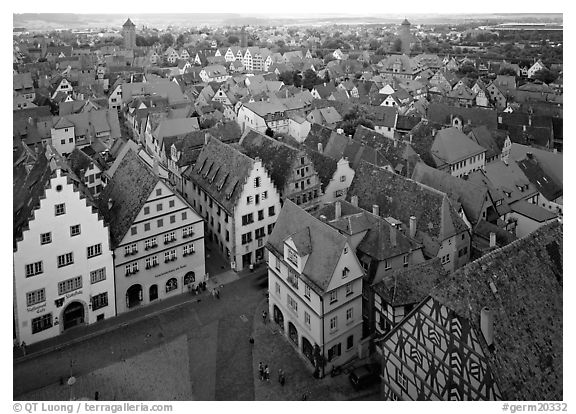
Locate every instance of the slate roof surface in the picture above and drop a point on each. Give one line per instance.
(327, 244)
(469, 195)
(325, 166)
(278, 158)
(411, 284)
(406, 123)
(551, 163)
(483, 137)
(503, 237)
(129, 188)
(400, 198)
(29, 187)
(544, 183)
(507, 177)
(452, 145)
(440, 113)
(527, 308)
(533, 211)
(399, 154)
(221, 171)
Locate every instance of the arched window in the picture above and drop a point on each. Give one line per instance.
(171, 285)
(189, 278)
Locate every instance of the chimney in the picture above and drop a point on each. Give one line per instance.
(393, 234)
(155, 166)
(412, 226)
(320, 148)
(487, 326)
(110, 204)
(410, 138)
(529, 120)
(376, 209)
(354, 200)
(337, 210)
(492, 239)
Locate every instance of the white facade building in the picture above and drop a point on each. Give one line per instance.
(63, 265)
(315, 283)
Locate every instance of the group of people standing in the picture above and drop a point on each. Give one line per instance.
(264, 372)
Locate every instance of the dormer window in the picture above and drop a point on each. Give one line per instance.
(292, 256)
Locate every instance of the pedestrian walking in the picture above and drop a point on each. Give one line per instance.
(217, 293)
(23, 346)
(251, 340)
(264, 316)
(267, 373)
(281, 378)
(214, 292)
(261, 371)
(190, 288)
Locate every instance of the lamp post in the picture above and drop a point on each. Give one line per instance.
(71, 381)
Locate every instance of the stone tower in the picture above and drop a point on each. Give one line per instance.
(129, 34)
(405, 36)
(243, 38)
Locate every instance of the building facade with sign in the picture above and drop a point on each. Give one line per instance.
(63, 266)
(158, 239)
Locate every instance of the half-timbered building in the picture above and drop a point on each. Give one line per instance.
(490, 331)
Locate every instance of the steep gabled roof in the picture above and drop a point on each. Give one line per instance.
(324, 166)
(326, 244)
(129, 188)
(408, 285)
(442, 113)
(522, 284)
(277, 157)
(469, 195)
(452, 145)
(221, 171)
(544, 183)
(400, 198)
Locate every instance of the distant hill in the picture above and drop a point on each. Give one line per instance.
(49, 21)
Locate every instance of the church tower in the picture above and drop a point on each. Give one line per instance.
(405, 36)
(129, 34)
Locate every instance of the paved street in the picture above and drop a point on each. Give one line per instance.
(184, 348)
(211, 328)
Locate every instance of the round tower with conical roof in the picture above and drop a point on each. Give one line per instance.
(405, 36)
(129, 34)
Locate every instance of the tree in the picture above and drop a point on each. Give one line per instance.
(141, 41)
(233, 39)
(287, 77)
(354, 117)
(280, 43)
(507, 71)
(167, 39)
(310, 79)
(397, 45)
(181, 39)
(326, 76)
(296, 79)
(269, 132)
(545, 75)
